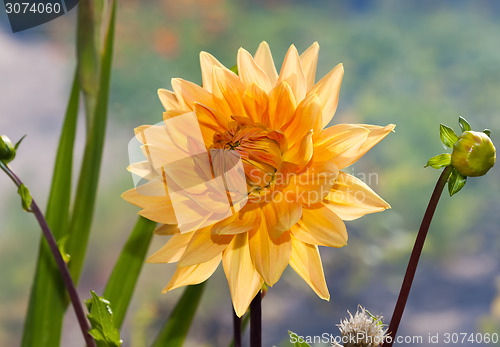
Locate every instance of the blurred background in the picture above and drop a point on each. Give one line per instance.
(415, 64)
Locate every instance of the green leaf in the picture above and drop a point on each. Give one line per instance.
(439, 161)
(26, 199)
(48, 299)
(464, 125)
(487, 132)
(121, 283)
(234, 69)
(177, 326)
(103, 328)
(456, 182)
(296, 341)
(448, 136)
(16, 146)
(61, 244)
(89, 174)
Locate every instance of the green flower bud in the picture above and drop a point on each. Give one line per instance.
(7, 150)
(473, 154)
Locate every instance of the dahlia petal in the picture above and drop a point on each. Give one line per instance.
(143, 169)
(264, 59)
(228, 90)
(193, 274)
(167, 229)
(255, 102)
(168, 99)
(307, 116)
(376, 134)
(306, 261)
(250, 72)
(269, 256)
(328, 89)
(338, 143)
(281, 213)
(188, 93)
(204, 246)
(309, 61)
(301, 152)
(282, 105)
(171, 251)
(320, 226)
(243, 279)
(238, 223)
(350, 198)
(291, 72)
(207, 63)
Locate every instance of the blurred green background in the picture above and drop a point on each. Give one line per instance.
(415, 64)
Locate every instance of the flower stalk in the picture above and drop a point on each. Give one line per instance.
(236, 329)
(61, 264)
(415, 256)
(256, 321)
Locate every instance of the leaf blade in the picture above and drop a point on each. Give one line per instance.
(448, 136)
(456, 182)
(464, 125)
(439, 161)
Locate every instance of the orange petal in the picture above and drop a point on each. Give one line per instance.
(240, 222)
(194, 274)
(250, 72)
(301, 152)
(171, 251)
(376, 134)
(188, 93)
(291, 72)
(269, 256)
(282, 105)
(350, 198)
(328, 89)
(306, 261)
(281, 213)
(228, 90)
(264, 59)
(244, 280)
(168, 99)
(308, 116)
(167, 229)
(309, 61)
(204, 246)
(320, 226)
(255, 102)
(339, 142)
(207, 63)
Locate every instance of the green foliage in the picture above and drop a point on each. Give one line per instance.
(464, 125)
(7, 150)
(456, 182)
(121, 283)
(487, 132)
(177, 326)
(439, 161)
(103, 328)
(448, 136)
(298, 343)
(25, 195)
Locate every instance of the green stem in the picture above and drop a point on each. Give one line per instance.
(415, 256)
(61, 264)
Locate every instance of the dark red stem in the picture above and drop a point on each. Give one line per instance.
(256, 321)
(236, 330)
(415, 256)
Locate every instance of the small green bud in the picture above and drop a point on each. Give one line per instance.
(473, 154)
(7, 150)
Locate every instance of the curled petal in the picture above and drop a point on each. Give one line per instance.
(243, 279)
(194, 274)
(240, 222)
(309, 61)
(282, 105)
(350, 198)
(291, 72)
(328, 89)
(281, 213)
(250, 72)
(188, 93)
(173, 250)
(207, 63)
(306, 261)
(264, 59)
(315, 183)
(167, 229)
(320, 226)
(168, 99)
(255, 102)
(269, 256)
(307, 117)
(204, 246)
(301, 152)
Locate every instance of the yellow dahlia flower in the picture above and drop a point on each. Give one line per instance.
(261, 141)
